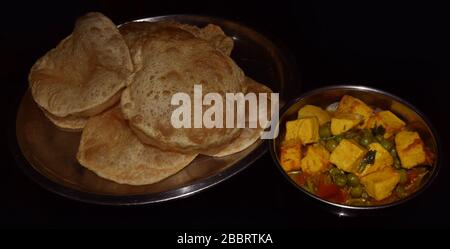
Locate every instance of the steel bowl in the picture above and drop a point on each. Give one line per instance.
(323, 97)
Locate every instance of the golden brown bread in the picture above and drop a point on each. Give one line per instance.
(169, 60)
(110, 149)
(143, 65)
(74, 123)
(86, 70)
(248, 136)
(68, 123)
(211, 33)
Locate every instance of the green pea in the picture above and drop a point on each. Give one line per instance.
(367, 132)
(325, 131)
(335, 171)
(365, 140)
(350, 135)
(379, 138)
(386, 144)
(340, 180)
(356, 192)
(338, 138)
(310, 186)
(352, 180)
(322, 142)
(403, 176)
(393, 152)
(357, 138)
(331, 145)
(397, 163)
(364, 195)
(401, 192)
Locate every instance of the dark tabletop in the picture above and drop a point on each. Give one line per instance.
(403, 49)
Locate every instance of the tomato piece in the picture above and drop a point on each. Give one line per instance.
(332, 192)
(327, 190)
(340, 197)
(299, 178)
(411, 176)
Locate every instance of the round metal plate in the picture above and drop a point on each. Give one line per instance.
(48, 154)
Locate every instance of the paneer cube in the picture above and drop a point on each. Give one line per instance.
(305, 130)
(314, 111)
(391, 123)
(349, 104)
(347, 155)
(383, 159)
(410, 149)
(380, 184)
(341, 123)
(316, 160)
(290, 156)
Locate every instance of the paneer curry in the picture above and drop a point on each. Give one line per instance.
(354, 154)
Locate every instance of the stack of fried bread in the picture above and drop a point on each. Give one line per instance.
(115, 85)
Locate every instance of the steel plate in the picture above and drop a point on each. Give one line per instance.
(47, 154)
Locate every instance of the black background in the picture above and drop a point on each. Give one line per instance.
(400, 48)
